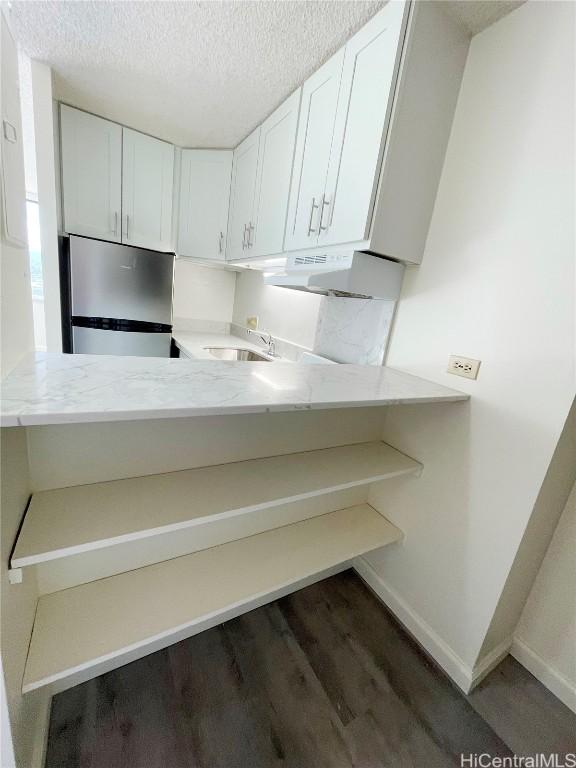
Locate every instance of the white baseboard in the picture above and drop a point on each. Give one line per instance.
(438, 649)
(559, 685)
(490, 661)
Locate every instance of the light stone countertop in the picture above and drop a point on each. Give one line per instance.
(53, 388)
(192, 343)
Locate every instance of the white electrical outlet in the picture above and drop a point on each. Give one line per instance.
(463, 366)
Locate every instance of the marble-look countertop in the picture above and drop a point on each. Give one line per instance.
(192, 343)
(51, 388)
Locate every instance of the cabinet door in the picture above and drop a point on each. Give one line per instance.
(275, 160)
(91, 174)
(315, 129)
(147, 191)
(366, 94)
(204, 196)
(240, 223)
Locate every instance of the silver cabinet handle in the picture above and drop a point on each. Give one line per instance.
(115, 230)
(250, 230)
(220, 241)
(127, 225)
(244, 238)
(313, 208)
(10, 133)
(324, 204)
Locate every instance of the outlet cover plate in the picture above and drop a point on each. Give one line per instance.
(463, 366)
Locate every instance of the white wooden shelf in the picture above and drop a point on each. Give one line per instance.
(70, 521)
(82, 632)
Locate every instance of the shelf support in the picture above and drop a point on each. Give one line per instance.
(15, 575)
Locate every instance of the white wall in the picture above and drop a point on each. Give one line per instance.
(202, 293)
(290, 315)
(28, 715)
(17, 332)
(496, 283)
(46, 177)
(16, 311)
(545, 639)
(550, 503)
(73, 454)
(7, 756)
(18, 602)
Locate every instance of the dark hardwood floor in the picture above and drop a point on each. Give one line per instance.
(324, 678)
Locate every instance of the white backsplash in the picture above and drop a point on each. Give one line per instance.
(200, 326)
(353, 330)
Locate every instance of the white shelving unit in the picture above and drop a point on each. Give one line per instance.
(81, 632)
(71, 521)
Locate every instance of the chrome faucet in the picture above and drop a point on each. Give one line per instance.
(266, 337)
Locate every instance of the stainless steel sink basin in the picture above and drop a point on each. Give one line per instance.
(237, 353)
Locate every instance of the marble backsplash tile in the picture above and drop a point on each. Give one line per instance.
(353, 330)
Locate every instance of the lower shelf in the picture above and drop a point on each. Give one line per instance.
(84, 631)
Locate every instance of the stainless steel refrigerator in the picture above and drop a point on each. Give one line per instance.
(117, 300)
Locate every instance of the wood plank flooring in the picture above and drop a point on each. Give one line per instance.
(324, 678)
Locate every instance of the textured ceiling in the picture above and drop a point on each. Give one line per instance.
(195, 73)
(476, 15)
(200, 74)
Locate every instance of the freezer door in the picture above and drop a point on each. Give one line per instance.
(91, 341)
(119, 281)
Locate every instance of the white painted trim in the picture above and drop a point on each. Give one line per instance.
(41, 732)
(422, 632)
(554, 680)
(490, 661)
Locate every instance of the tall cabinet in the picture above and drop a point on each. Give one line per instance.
(261, 178)
(91, 174)
(204, 196)
(275, 161)
(345, 108)
(147, 189)
(315, 129)
(117, 184)
(241, 219)
(364, 105)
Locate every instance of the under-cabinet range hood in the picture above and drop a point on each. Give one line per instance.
(352, 273)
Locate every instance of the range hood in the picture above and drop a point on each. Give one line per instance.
(353, 274)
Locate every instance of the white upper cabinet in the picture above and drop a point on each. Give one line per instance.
(364, 105)
(204, 197)
(91, 174)
(275, 160)
(312, 155)
(372, 134)
(147, 191)
(241, 224)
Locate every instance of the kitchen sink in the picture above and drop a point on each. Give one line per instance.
(237, 353)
